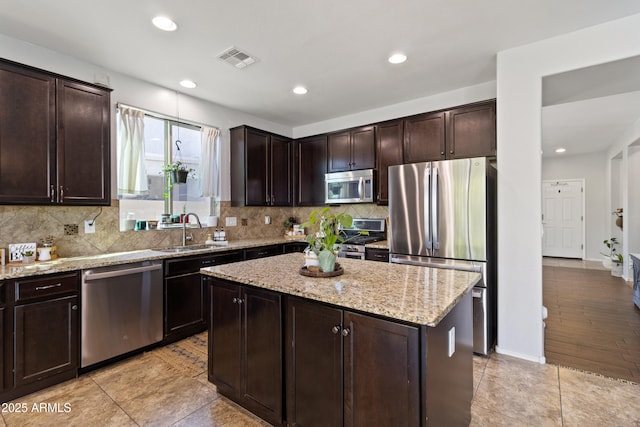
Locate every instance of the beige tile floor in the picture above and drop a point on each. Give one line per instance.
(169, 387)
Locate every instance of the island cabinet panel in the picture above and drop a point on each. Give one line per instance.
(350, 369)
(311, 165)
(314, 364)
(245, 347)
(381, 372)
(448, 364)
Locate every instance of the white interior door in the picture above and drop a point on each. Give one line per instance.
(562, 218)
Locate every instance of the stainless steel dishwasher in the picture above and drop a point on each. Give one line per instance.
(121, 310)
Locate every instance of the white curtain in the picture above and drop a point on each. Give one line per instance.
(132, 174)
(210, 162)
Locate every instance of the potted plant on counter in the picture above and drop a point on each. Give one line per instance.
(326, 241)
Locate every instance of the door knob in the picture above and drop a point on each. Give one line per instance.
(335, 329)
(345, 332)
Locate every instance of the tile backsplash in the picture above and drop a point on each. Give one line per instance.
(26, 224)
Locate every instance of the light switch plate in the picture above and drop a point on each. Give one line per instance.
(230, 221)
(89, 226)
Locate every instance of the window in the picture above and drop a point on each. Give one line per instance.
(146, 142)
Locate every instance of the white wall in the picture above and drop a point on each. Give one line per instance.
(141, 94)
(519, 85)
(592, 168)
(465, 95)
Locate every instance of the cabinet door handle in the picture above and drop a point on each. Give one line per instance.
(335, 329)
(53, 193)
(345, 332)
(273, 199)
(74, 307)
(42, 288)
(237, 300)
(61, 198)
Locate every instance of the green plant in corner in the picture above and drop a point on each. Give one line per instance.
(327, 239)
(612, 254)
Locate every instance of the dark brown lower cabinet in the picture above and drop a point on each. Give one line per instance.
(314, 364)
(46, 339)
(350, 369)
(39, 321)
(245, 347)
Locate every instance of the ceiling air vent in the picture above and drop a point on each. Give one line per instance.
(236, 57)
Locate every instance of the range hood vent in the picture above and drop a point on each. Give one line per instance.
(237, 58)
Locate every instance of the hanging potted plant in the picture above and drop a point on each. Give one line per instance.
(326, 241)
(177, 172)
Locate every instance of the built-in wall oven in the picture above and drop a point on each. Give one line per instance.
(362, 231)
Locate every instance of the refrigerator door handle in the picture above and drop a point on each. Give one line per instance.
(361, 188)
(435, 220)
(427, 207)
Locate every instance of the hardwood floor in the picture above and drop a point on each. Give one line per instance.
(592, 323)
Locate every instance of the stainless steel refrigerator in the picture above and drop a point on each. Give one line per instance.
(443, 214)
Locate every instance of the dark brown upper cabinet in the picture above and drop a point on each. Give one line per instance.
(351, 149)
(311, 165)
(388, 153)
(424, 137)
(54, 139)
(471, 131)
(261, 168)
(463, 132)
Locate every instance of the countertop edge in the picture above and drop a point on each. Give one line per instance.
(369, 307)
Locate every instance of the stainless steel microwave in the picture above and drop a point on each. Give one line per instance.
(349, 187)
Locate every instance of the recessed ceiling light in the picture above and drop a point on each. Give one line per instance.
(300, 90)
(397, 58)
(560, 150)
(164, 23)
(188, 84)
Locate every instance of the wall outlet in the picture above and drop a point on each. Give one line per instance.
(89, 226)
(267, 219)
(230, 221)
(452, 341)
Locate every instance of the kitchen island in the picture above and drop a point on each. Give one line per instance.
(382, 344)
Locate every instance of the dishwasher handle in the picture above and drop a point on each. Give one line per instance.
(89, 275)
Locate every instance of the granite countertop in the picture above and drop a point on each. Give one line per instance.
(61, 265)
(419, 295)
(383, 244)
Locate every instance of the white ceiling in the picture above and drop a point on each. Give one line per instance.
(588, 109)
(337, 48)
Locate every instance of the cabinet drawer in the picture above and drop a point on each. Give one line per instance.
(174, 267)
(376, 255)
(263, 251)
(224, 258)
(29, 289)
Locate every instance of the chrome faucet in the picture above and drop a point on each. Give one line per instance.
(184, 227)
